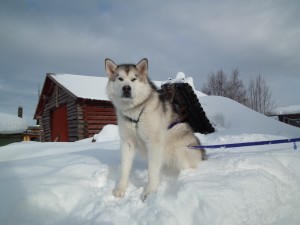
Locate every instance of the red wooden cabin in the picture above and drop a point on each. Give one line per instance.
(73, 107)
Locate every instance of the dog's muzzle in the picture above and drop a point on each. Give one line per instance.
(126, 91)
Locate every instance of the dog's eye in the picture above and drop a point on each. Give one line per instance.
(120, 79)
(133, 79)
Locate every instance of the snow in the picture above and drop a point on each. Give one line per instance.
(10, 124)
(233, 118)
(181, 78)
(72, 183)
(108, 133)
(87, 87)
(91, 87)
(292, 109)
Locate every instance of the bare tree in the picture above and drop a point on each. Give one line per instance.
(219, 84)
(259, 96)
(216, 84)
(235, 88)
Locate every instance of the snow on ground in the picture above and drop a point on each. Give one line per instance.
(71, 183)
(10, 124)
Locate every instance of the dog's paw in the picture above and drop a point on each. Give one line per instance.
(146, 193)
(144, 196)
(119, 192)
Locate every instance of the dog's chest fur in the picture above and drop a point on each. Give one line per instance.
(149, 125)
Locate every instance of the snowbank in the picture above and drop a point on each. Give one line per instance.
(108, 133)
(72, 183)
(232, 118)
(10, 124)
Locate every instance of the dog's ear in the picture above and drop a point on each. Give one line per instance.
(142, 66)
(110, 67)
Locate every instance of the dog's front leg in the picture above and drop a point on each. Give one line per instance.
(154, 167)
(127, 156)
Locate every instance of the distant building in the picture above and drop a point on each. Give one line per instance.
(289, 114)
(33, 133)
(11, 128)
(73, 107)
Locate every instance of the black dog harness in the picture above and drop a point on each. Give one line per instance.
(133, 120)
(138, 119)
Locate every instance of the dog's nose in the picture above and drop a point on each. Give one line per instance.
(126, 88)
(126, 91)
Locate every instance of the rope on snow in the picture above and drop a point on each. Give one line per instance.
(246, 144)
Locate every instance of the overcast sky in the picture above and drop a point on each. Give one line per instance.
(195, 37)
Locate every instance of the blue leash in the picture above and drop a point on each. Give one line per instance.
(245, 144)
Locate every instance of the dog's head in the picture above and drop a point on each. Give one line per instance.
(126, 80)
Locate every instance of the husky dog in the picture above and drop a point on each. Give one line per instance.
(147, 122)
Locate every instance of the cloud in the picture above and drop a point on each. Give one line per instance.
(196, 37)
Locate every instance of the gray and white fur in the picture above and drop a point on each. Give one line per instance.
(143, 120)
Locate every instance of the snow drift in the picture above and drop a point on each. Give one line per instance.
(71, 183)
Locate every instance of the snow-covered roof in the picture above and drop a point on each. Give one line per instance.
(90, 87)
(292, 109)
(10, 124)
(87, 87)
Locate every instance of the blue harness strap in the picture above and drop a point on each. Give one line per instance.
(245, 144)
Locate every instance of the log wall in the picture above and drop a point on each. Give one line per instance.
(85, 118)
(95, 117)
